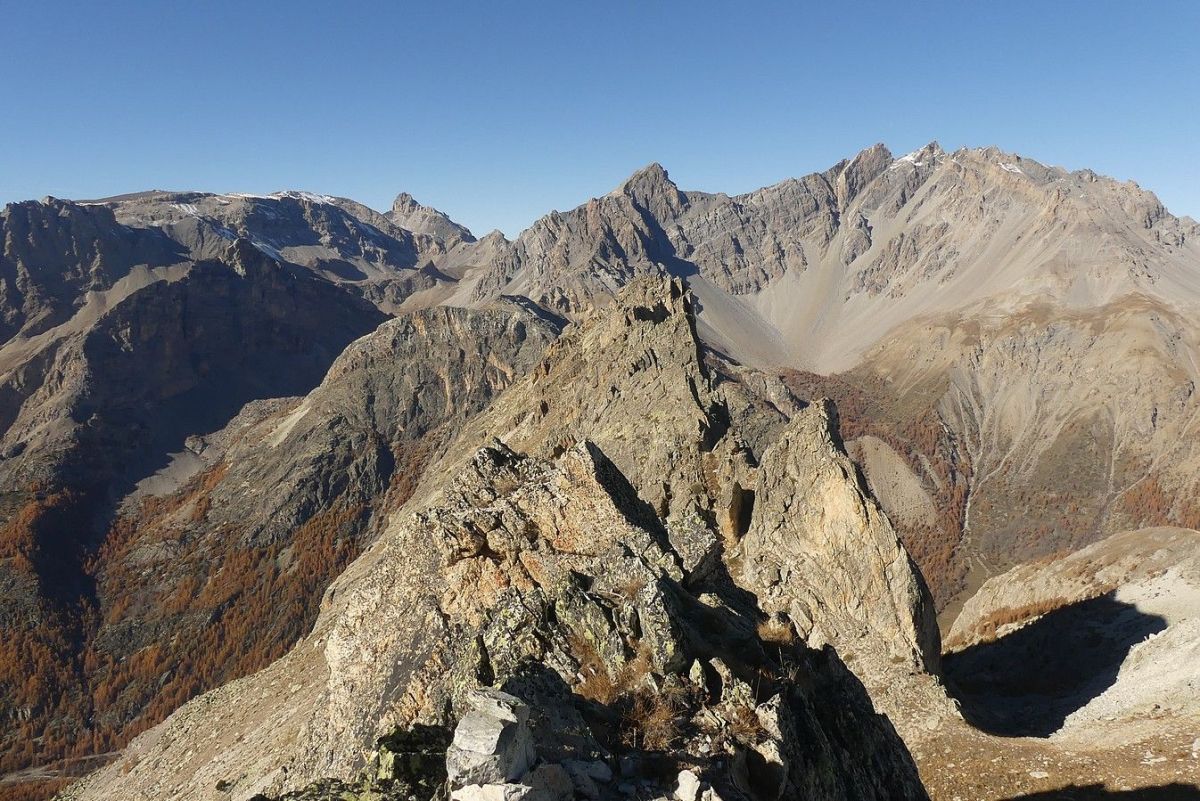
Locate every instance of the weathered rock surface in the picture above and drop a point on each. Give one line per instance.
(822, 557)
(548, 577)
(492, 742)
(820, 550)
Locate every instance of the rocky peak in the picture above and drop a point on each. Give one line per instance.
(860, 171)
(412, 216)
(495, 236)
(628, 374)
(651, 188)
(827, 555)
(824, 560)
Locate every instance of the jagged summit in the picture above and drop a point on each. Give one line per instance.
(927, 154)
(411, 215)
(653, 174)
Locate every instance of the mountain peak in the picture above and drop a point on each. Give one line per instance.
(411, 215)
(405, 202)
(652, 188)
(876, 152)
(861, 170)
(924, 155)
(653, 172)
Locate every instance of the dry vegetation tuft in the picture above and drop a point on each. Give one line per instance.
(649, 717)
(776, 630)
(744, 724)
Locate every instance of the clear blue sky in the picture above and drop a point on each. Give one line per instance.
(497, 112)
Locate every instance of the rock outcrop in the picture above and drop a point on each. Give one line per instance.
(561, 576)
(820, 551)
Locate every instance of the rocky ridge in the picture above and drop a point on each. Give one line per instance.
(949, 292)
(581, 586)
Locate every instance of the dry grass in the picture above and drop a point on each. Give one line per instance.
(631, 588)
(650, 718)
(744, 724)
(596, 683)
(987, 629)
(777, 630)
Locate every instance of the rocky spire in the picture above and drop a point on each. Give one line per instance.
(652, 189)
(409, 214)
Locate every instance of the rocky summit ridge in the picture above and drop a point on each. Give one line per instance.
(596, 589)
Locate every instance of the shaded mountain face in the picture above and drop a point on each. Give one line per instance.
(138, 325)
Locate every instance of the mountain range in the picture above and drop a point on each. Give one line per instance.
(235, 429)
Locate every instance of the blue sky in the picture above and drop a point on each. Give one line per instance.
(498, 112)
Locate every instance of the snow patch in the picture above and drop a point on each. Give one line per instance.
(311, 197)
(268, 249)
(1004, 165)
(912, 158)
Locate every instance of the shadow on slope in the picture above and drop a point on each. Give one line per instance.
(1097, 792)
(1027, 682)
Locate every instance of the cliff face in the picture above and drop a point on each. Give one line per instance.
(821, 551)
(580, 564)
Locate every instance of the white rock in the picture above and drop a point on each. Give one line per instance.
(492, 792)
(489, 750)
(688, 786)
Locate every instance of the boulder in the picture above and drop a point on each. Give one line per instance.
(687, 786)
(492, 743)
